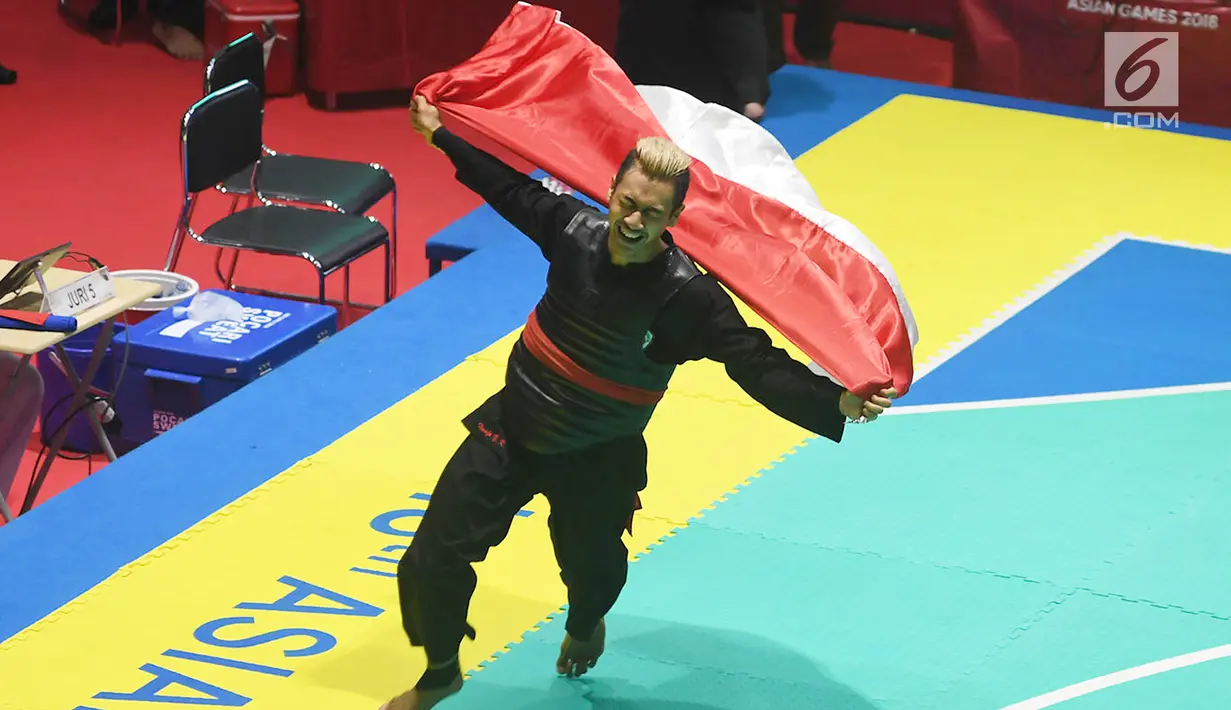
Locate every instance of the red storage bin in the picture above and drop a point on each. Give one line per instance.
(359, 46)
(275, 23)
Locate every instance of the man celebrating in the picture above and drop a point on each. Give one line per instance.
(623, 308)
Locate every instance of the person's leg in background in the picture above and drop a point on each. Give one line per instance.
(815, 22)
(179, 26)
(21, 394)
(772, 11)
(102, 17)
(705, 48)
(732, 32)
(657, 45)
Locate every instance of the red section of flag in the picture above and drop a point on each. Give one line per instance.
(544, 92)
(24, 316)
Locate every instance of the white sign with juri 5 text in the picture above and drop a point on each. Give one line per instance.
(86, 292)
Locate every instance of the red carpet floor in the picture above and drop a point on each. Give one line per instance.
(89, 141)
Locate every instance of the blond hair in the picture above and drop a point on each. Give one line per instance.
(660, 159)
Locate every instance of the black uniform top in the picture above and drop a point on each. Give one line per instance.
(699, 322)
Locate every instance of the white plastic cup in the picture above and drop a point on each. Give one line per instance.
(177, 289)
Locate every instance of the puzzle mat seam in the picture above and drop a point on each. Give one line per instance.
(697, 522)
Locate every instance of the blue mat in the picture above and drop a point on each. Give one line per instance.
(78, 538)
(1123, 322)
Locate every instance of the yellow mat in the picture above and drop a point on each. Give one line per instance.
(316, 522)
(973, 205)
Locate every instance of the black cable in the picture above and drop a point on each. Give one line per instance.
(91, 399)
(108, 397)
(83, 257)
(86, 405)
(96, 264)
(50, 411)
(28, 502)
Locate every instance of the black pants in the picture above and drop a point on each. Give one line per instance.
(592, 495)
(731, 35)
(189, 14)
(714, 50)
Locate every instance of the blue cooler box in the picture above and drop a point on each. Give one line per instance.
(178, 367)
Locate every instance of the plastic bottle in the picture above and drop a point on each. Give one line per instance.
(208, 307)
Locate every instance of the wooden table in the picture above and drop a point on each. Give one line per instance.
(128, 293)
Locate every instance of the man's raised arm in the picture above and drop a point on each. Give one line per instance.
(521, 200)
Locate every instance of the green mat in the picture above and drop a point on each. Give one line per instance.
(998, 556)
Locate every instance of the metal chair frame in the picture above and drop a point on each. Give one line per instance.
(183, 227)
(228, 278)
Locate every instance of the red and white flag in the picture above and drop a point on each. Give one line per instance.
(542, 91)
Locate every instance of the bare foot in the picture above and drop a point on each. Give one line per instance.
(754, 111)
(416, 699)
(577, 657)
(179, 42)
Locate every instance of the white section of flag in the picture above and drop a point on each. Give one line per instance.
(744, 152)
